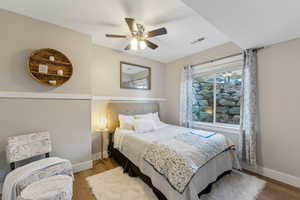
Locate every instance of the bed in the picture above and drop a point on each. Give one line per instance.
(130, 150)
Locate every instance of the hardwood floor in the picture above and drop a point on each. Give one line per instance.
(81, 190)
(273, 190)
(276, 190)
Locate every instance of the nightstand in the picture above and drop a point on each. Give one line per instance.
(102, 132)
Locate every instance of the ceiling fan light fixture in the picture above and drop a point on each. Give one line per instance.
(139, 36)
(143, 44)
(134, 44)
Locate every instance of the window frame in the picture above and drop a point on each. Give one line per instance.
(227, 64)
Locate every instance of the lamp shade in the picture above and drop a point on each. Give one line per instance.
(102, 123)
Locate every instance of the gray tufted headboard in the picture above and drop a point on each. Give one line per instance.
(127, 108)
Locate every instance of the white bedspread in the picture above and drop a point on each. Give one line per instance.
(133, 145)
(9, 191)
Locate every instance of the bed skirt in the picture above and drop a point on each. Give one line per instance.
(133, 171)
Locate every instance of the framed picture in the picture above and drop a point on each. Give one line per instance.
(135, 76)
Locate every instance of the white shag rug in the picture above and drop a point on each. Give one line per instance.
(115, 185)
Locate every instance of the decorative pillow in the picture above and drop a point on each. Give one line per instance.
(126, 122)
(144, 125)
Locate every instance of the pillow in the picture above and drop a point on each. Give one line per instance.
(144, 125)
(158, 123)
(126, 122)
(145, 116)
(156, 117)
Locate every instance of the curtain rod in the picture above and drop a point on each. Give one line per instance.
(214, 60)
(217, 59)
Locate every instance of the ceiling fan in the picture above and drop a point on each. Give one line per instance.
(139, 36)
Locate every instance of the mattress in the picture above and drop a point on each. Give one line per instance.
(132, 145)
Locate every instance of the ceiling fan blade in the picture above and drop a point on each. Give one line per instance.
(127, 47)
(115, 36)
(131, 24)
(157, 32)
(151, 45)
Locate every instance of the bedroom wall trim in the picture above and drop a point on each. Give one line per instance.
(40, 95)
(82, 166)
(116, 98)
(273, 174)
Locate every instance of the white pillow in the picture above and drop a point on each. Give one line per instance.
(126, 122)
(144, 125)
(158, 123)
(145, 116)
(156, 117)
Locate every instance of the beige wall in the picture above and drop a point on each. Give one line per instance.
(96, 71)
(106, 82)
(173, 76)
(106, 74)
(279, 97)
(278, 70)
(21, 35)
(69, 121)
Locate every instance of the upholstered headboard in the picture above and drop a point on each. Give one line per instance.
(127, 108)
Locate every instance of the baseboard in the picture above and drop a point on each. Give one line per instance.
(82, 166)
(273, 174)
(97, 156)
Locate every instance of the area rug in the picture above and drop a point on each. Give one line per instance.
(115, 185)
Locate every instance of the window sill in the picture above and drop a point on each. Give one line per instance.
(222, 128)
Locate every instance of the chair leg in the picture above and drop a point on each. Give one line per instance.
(12, 166)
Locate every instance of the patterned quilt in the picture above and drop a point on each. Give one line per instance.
(179, 158)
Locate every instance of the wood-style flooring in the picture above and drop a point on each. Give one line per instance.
(273, 190)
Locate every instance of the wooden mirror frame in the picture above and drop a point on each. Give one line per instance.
(121, 80)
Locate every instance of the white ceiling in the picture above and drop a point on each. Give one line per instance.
(252, 23)
(98, 17)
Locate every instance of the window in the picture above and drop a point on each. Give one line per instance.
(217, 93)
